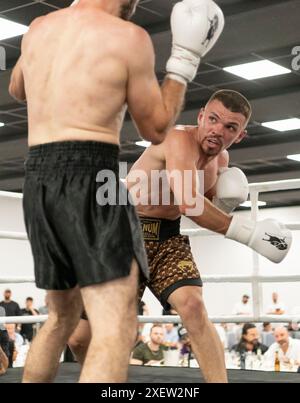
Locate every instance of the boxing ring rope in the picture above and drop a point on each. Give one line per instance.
(255, 278)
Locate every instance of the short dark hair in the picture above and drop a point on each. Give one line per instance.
(247, 327)
(29, 299)
(156, 325)
(234, 101)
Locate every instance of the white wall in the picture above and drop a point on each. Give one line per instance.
(213, 255)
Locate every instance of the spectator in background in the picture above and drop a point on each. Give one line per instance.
(44, 310)
(222, 334)
(249, 341)
(243, 308)
(277, 307)
(15, 343)
(11, 307)
(4, 340)
(3, 362)
(186, 353)
(171, 336)
(27, 329)
(151, 353)
(288, 349)
(267, 327)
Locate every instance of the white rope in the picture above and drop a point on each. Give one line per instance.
(20, 236)
(11, 195)
(23, 319)
(16, 280)
(169, 319)
(214, 279)
(274, 186)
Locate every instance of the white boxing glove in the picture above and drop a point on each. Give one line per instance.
(269, 237)
(196, 26)
(232, 189)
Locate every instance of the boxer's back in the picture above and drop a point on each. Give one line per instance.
(75, 69)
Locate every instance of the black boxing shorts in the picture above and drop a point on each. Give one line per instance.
(76, 240)
(170, 259)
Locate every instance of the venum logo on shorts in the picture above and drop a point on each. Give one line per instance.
(279, 243)
(151, 229)
(296, 59)
(2, 58)
(185, 265)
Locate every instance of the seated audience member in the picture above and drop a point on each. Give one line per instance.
(249, 341)
(243, 308)
(151, 353)
(277, 307)
(15, 343)
(288, 349)
(171, 336)
(186, 353)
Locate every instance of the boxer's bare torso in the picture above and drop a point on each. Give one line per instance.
(75, 67)
(156, 158)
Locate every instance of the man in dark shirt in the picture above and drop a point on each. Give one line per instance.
(27, 329)
(11, 307)
(249, 341)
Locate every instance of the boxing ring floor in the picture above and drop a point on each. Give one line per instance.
(69, 373)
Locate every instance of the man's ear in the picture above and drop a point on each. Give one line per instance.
(200, 115)
(241, 136)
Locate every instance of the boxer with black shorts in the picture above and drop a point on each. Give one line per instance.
(79, 69)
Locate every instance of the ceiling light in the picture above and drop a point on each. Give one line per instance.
(283, 125)
(10, 29)
(143, 143)
(2, 124)
(294, 157)
(255, 70)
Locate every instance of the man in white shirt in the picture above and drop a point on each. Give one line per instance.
(244, 307)
(288, 349)
(277, 307)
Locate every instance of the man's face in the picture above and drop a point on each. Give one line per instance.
(157, 335)
(128, 8)
(281, 336)
(219, 128)
(275, 297)
(7, 295)
(29, 304)
(251, 336)
(169, 327)
(245, 300)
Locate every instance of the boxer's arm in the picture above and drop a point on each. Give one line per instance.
(179, 157)
(16, 85)
(223, 161)
(153, 109)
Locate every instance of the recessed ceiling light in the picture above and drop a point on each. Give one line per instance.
(143, 143)
(283, 125)
(294, 157)
(2, 124)
(255, 70)
(10, 29)
(248, 204)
